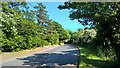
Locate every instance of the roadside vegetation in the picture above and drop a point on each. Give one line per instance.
(23, 28)
(103, 34)
(90, 59)
(90, 55)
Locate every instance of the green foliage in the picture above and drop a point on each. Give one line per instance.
(63, 35)
(7, 45)
(19, 42)
(21, 32)
(103, 16)
(88, 36)
(44, 43)
(75, 36)
(89, 59)
(56, 30)
(53, 38)
(41, 15)
(8, 24)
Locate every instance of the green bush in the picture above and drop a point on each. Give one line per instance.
(44, 42)
(20, 42)
(8, 45)
(20, 32)
(35, 42)
(53, 38)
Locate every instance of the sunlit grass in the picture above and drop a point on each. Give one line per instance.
(91, 60)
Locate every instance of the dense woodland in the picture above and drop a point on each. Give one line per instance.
(23, 28)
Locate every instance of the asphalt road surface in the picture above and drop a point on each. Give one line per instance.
(63, 56)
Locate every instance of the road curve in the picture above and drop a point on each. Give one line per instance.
(65, 55)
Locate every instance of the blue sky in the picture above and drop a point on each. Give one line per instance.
(60, 16)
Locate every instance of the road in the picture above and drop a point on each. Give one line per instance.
(61, 56)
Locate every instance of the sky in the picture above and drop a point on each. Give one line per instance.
(60, 16)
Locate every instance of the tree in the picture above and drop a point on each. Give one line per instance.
(74, 38)
(41, 15)
(103, 16)
(18, 33)
(77, 36)
(53, 38)
(8, 21)
(88, 35)
(64, 35)
(42, 19)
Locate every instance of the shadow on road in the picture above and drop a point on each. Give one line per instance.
(68, 58)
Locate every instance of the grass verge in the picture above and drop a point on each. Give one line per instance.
(90, 60)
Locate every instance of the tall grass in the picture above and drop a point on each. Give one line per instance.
(90, 59)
